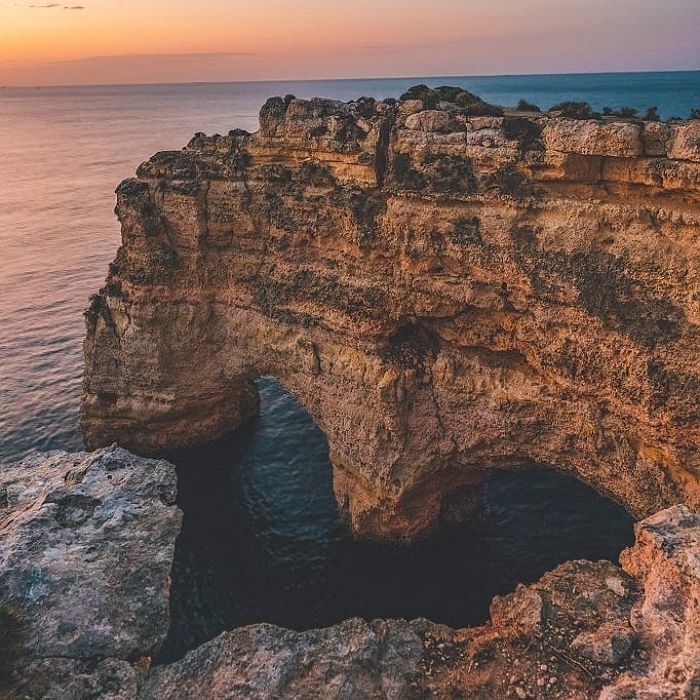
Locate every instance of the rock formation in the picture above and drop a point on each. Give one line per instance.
(86, 549)
(446, 291)
(585, 630)
(86, 546)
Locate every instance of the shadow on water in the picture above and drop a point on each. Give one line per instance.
(262, 541)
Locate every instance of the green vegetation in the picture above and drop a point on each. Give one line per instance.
(471, 104)
(574, 110)
(525, 106)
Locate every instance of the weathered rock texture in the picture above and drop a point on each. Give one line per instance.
(585, 630)
(445, 294)
(86, 548)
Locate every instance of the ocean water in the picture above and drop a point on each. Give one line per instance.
(62, 152)
(262, 541)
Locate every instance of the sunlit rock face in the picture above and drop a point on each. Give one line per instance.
(445, 288)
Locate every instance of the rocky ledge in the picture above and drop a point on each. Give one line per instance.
(86, 546)
(446, 287)
(585, 630)
(86, 549)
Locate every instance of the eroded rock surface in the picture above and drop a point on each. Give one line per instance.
(445, 290)
(86, 549)
(585, 630)
(89, 589)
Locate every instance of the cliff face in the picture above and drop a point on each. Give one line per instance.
(445, 293)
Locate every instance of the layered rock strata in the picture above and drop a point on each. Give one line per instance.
(445, 292)
(86, 549)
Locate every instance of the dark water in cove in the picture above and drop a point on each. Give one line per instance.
(259, 508)
(262, 541)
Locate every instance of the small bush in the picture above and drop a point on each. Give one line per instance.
(472, 104)
(695, 113)
(628, 112)
(652, 114)
(422, 92)
(525, 106)
(574, 110)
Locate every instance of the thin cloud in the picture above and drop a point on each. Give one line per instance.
(52, 6)
(151, 57)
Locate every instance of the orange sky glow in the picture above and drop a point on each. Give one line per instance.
(140, 41)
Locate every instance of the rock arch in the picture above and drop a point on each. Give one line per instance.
(444, 293)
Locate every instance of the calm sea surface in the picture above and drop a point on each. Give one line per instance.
(275, 551)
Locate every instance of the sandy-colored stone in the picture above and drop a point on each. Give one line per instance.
(441, 308)
(432, 121)
(592, 138)
(685, 141)
(666, 562)
(655, 138)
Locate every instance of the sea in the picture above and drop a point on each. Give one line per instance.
(262, 541)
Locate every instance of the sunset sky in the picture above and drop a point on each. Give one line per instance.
(139, 41)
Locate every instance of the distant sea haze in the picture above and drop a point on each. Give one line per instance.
(64, 151)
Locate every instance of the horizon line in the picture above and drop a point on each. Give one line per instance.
(329, 79)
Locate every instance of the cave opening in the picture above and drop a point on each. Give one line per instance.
(262, 540)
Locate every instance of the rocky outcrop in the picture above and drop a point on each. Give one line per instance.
(86, 548)
(585, 630)
(447, 291)
(666, 617)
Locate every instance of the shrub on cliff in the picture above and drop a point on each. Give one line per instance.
(525, 106)
(422, 92)
(628, 112)
(695, 113)
(651, 115)
(472, 105)
(574, 110)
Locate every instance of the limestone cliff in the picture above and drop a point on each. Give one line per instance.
(446, 291)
